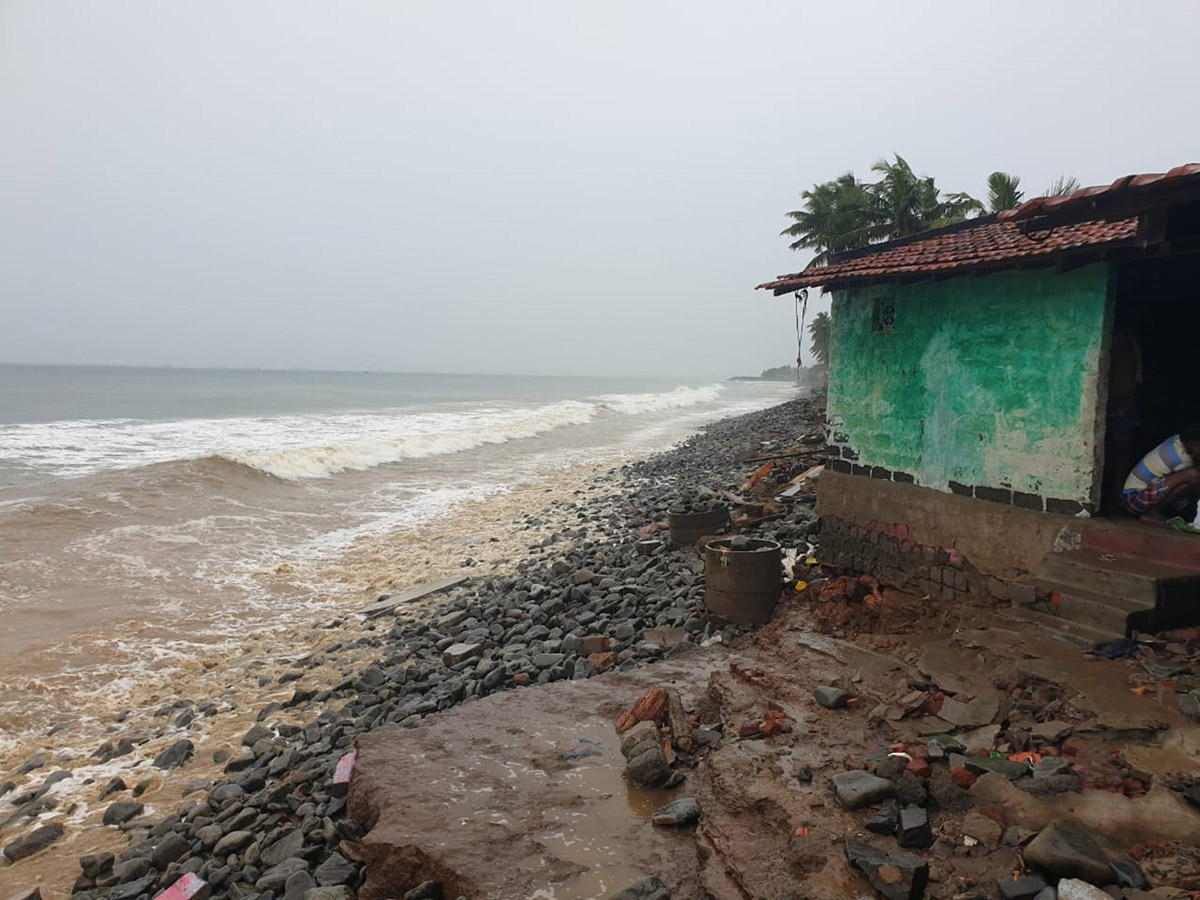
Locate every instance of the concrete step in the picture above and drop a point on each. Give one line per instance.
(1107, 613)
(1127, 537)
(1058, 628)
(1126, 577)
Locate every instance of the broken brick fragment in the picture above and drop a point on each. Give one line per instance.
(602, 661)
(650, 707)
(964, 778)
(919, 767)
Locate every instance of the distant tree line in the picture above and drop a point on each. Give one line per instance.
(846, 213)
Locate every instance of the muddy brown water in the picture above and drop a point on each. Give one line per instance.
(228, 672)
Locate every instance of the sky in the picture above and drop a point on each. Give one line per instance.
(533, 186)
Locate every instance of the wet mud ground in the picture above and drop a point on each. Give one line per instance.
(531, 820)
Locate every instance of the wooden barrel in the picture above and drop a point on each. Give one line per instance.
(743, 586)
(687, 528)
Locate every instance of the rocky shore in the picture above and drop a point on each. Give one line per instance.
(264, 816)
(568, 722)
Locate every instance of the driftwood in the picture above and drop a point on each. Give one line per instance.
(681, 729)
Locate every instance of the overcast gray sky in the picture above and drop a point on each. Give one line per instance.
(523, 186)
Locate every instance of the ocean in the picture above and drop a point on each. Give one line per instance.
(150, 518)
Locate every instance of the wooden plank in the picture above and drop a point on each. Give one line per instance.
(413, 593)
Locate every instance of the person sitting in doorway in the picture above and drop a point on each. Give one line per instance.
(1166, 479)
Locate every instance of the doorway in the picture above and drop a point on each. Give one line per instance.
(1154, 364)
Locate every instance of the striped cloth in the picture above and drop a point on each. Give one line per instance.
(1169, 456)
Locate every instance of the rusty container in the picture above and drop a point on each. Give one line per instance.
(687, 528)
(743, 586)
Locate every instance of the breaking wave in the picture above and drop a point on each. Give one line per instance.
(296, 447)
(681, 397)
(448, 434)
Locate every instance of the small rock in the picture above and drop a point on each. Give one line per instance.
(426, 890)
(131, 869)
(897, 876)
(643, 889)
(96, 864)
(1006, 767)
(122, 811)
(33, 842)
(276, 877)
(976, 714)
(297, 886)
(1050, 766)
(684, 811)
(987, 831)
(1050, 732)
(34, 762)
(886, 819)
(456, 653)
(1066, 849)
(1128, 874)
(232, 843)
(915, 831)
(338, 892)
(1192, 795)
(170, 849)
(1020, 888)
(129, 890)
(335, 870)
(1189, 705)
(290, 843)
(856, 789)
(175, 755)
(832, 697)
(1075, 889)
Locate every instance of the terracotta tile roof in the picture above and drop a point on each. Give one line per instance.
(1127, 188)
(977, 244)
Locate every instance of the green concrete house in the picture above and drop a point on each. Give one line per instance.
(968, 405)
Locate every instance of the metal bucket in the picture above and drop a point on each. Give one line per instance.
(687, 528)
(743, 586)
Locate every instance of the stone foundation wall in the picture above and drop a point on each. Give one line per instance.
(927, 541)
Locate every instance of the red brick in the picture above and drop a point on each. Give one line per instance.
(919, 767)
(602, 661)
(964, 778)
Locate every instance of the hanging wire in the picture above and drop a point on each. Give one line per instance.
(801, 315)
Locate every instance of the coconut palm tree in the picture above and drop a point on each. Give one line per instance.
(907, 203)
(1062, 185)
(837, 215)
(1003, 192)
(820, 329)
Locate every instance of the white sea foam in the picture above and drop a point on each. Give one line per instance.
(681, 397)
(296, 447)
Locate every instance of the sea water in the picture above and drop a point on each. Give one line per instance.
(141, 510)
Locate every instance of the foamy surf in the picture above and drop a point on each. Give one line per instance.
(314, 446)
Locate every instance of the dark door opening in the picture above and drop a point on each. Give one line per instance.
(1154, 364)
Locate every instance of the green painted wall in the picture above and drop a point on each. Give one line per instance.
(984, 381)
